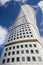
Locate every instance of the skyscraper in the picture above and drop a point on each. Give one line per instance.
(23, 45)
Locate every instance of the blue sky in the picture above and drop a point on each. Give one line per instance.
(9, 10)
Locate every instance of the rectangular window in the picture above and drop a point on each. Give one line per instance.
(26, 45)
(30, 45)
(17, 52)
(18, 59)
(9, 48)
(6, 49)
(21, 46)
(35, 45)
(37, 51)
(28, 58)
(13, 59)
(13, 53)
(3, 61)
(13, 47)
(17, 46)
(8, 60)
(5, 54)
(39, 59)
(32, 51)
(27, 51)
(34, 59)
(9, 53)
(20, 36)
(22, 51)
(23, 58)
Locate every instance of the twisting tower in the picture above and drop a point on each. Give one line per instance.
(23, 44)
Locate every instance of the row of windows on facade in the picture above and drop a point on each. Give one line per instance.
(20, 28)
(22, 52)
(22, 58)
(24, 30)
(28, 31)
(21, 46)
(21, 31)
(20, 37)
(17, 34)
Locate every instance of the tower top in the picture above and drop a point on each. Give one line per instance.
(25, 11)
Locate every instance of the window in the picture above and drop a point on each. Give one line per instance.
(3, 61)
(13, 53)
(35, 45)
(17, 52)
(37, 51)
(29, 29)
(27, 35)
(26, 32)
(32, 51)
(39, 59)
(31, 35)
(21, 46)
(9, 53)
(17, 34)
(20, 36)
(13, 59)
(8, 60)
(9, 48)
(27, 51)
(6, 49)
(5, 54)
(23, 58)
(14, 38)
(8, 40)
(18, 59)
(23, 33)
(26, 45)
(28, 58)
(23, 30)
(13, 47)
(11, 39)
(30, 45)
(30, 32)
(26, 29)
(22, 51)
(24, 36)
(34, 59)
(20, 33)
(17, 46)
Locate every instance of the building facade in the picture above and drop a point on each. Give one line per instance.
(23, 45)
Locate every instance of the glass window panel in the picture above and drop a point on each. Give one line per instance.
(34, 59)
(28, 58)
(39, 59)
(17, 59)
(23, 58)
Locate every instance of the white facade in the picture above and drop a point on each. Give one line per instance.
(23, 46)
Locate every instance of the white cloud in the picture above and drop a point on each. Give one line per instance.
(3, 33)
(3, 2)
(40, 4)
(23, 1)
